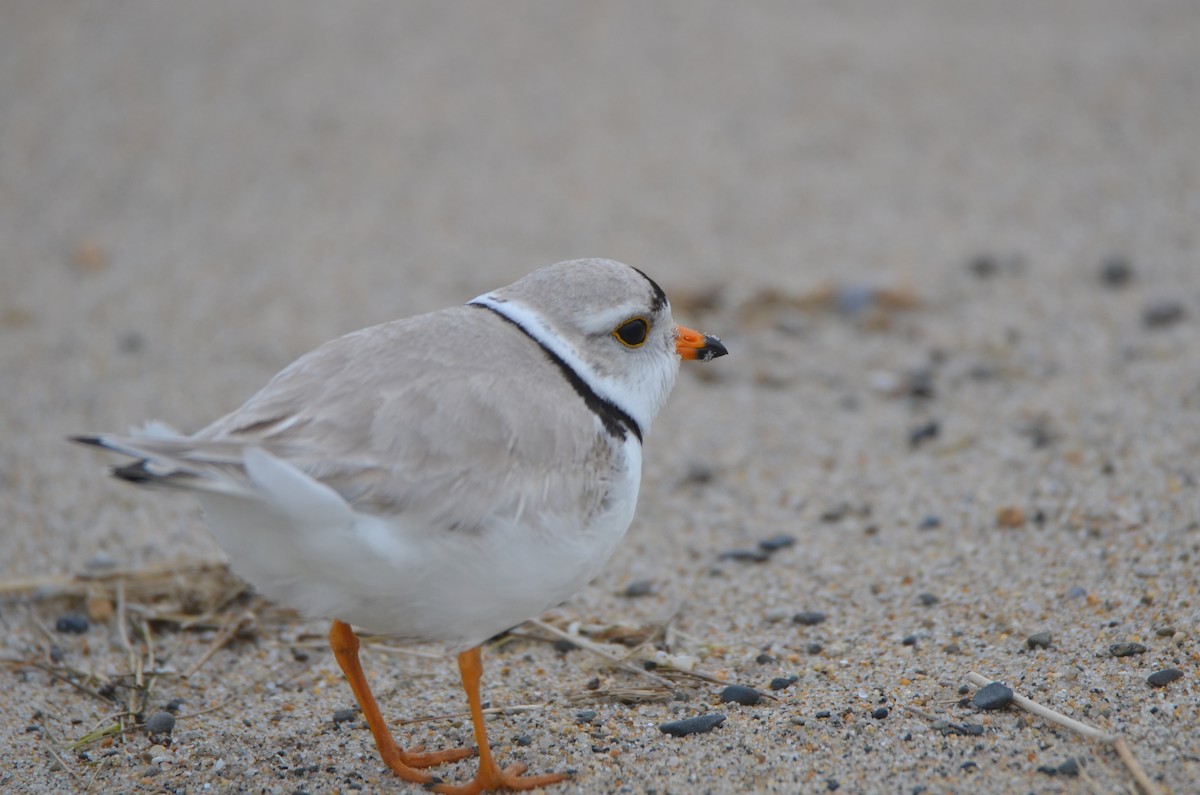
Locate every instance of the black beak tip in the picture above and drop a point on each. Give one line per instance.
(713, 347)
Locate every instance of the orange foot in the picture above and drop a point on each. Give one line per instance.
(508, 778)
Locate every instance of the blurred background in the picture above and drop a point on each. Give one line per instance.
(192, 194)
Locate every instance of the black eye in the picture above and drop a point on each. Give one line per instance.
(632, 333)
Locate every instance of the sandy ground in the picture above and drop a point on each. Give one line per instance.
(900, 223)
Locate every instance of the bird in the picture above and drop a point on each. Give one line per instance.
(439, 478)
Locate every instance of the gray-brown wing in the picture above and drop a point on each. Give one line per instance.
(454, 417)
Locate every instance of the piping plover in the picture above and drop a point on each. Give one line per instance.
(443, 477)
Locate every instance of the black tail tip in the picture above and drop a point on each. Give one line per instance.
(92, 441)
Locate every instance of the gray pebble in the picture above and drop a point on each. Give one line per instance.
(994, 696)
(813, 648)
(160, 723)
(638, 588)
(1076, 592)
(697, 725)
(927, 599)
(880, 713)
(1164, 677)
(1069, 768)
(930, 522)
(775, 543)
(783, 682)
(345, 715)
(809, 618)
(524, 740)
(1161, 314)
(1115, 272)
(585, 715)
(746, 555)
(1039, 640)
(740, 694)
(72, 623)
(1126, 649)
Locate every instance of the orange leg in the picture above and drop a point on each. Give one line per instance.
(404, 764)
(489, 776)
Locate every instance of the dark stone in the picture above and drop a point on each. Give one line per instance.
(993, 696)
(746, 555)
(1069, 768)
(1126, 649)
(585, 715)
(1116, 272)
(72, 623)
(638, 588)
(160, 723)
(823, 714)
(776, 543)
(740, 694)
(928, 599)
(764, 659)
(1039, 640)
(1162, 314)
(783, 682)
(345, 715)
(930, 522)
(924, 433)
(909, 640)
(1164, 677)
(880, 713)
(174, 704)
(562, 646)
(813, 648)
(523, 740)
(809, 618)
(697, 725)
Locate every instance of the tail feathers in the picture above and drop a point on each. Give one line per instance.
(171, 460)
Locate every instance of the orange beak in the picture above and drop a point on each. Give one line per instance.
(694, 345)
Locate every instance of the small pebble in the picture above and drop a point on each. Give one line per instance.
(909, 640)
(585, 715)
(994, 696)
(523, 740)
(813, 648)
(1164, 677)
(930, 522)
(831, 784)
(764, 659)
(880, 713)
(1165, 632)
(924, 433)
(1076, 592)
(783, 682)
(740, 694)
(776, 543)
(927, 599)
(1115, 272)
(1069, 768)
(969, 765)
(345, 715)
(562, 646)
(1039, 640)
(809, 618)
(174, 704)
(72, 623)
(983, 266)
(638, 588)
(746, 555)
(1162, 314)
(160, 723)
(697, 725)
(1126, 649)
(823, 714)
